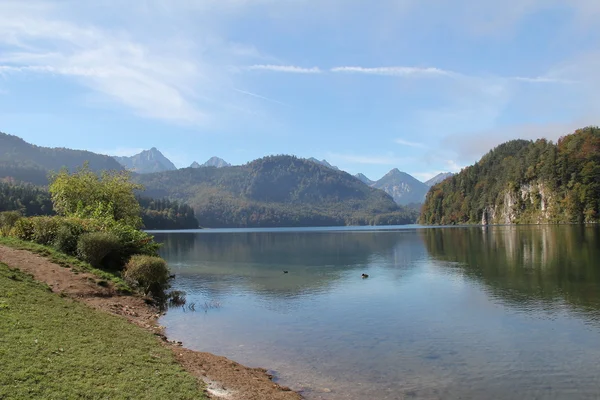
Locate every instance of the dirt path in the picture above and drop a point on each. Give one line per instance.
(225, 379)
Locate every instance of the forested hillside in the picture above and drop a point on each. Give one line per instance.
(276, 191)
(166, 214)
(524, 182)
(27, 199)
(26, 162)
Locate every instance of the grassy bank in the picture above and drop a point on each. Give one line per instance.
(66, 261)
(56, 348)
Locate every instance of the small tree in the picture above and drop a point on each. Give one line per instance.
(86, 194)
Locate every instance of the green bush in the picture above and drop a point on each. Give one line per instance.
(44, 230)
(23, 229)
(134, 241)
(67, 236)
(100, 249)
(149, 273)
(8, 219)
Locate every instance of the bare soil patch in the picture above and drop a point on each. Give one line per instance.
(224, 378)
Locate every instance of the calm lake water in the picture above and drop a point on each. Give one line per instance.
(446, 313)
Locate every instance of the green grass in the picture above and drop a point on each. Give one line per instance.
(66, 261)
(55, 348)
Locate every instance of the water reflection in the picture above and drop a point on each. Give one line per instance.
(255, 261)
(529, 266)
(452, 313)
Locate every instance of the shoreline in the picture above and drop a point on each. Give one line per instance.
(222, 378)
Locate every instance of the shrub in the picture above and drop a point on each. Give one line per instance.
(134, 241)
(8, 219)
(98, 248)
(44, 230)
(67, 235)
(23, 229)
(149, 273)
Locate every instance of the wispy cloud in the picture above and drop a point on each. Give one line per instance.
(166, 77)
(258, 96)
(542, 79)
(284, 68)
(394, 71)
(409, 144)
(128, 71)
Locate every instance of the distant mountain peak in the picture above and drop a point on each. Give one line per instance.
(438, 178)
(195, 165)
(403, 187)
(216, 162)
(362, 177)
(323, 163)
(146, 162)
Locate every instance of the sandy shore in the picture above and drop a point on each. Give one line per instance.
(224, 379)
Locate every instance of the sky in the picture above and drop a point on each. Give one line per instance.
(424, 86)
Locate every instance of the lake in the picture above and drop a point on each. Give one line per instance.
(506, 312)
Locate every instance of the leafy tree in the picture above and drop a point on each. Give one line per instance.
(86, 194)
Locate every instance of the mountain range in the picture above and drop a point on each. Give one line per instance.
(21, 161)
(404, 188)
(276, 191)
(271, 191)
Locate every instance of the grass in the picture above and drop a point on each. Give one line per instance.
(66, 261)
(55, 348)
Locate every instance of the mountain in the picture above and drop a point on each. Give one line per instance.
(438, 178)
(404, 188)
(323, 163)
(147, 162)
(364, 179)
(276, 191)
(195, 165)
(524, 182)
(215, 162)
(25, 162)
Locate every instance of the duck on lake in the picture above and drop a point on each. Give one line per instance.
(285, 272)
(364, 276)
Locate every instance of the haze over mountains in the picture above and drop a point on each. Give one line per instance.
(251, 195)
(268, 192)
(404, 188)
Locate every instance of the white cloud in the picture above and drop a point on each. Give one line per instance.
(394, 71)
(284, 68)
(408, 143)
(163, 76)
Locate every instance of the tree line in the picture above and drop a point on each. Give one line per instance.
(30, 200)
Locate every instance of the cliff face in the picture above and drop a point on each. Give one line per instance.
(524, 182)
(530, 204)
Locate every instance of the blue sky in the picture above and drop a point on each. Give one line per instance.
(420, 85)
